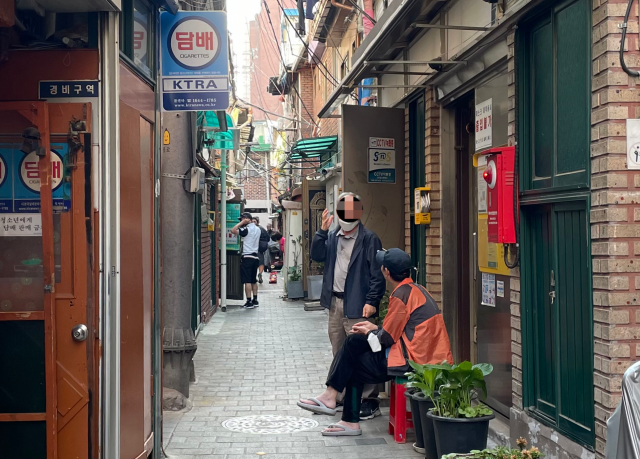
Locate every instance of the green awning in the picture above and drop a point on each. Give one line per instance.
(315, 147)
(209, 119)
(217, 140)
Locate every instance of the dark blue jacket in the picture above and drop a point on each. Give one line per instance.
(365, 283)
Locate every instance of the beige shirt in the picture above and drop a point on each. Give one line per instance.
(343, 257)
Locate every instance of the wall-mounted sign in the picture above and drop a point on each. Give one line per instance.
(166, 138)
(382, 160)
(484, 138)
(195, 68)
(68, 88)
(20, 225)
(20, 180)
(489, 289)
(422, 206)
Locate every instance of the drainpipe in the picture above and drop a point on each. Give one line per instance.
(340, 5)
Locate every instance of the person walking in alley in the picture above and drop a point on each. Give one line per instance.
(412, 330)
(353, 284)
(263, 245)
(250, 235)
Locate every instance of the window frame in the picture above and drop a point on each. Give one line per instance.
(127, 20)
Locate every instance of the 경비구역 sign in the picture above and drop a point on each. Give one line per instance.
(195, 61)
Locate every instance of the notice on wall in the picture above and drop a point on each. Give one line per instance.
(500, 289)
(484, 138)
(382, 160)
(12, 225)
(489, 289)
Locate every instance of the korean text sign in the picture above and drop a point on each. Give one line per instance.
(195, 61)
(382, 160)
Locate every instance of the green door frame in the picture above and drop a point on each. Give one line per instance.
(417, 178)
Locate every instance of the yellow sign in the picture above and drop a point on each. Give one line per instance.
(422, 204)
(166, 138)
(490, 254)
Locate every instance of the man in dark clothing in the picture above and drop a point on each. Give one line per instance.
(263, 245)
(353, 284)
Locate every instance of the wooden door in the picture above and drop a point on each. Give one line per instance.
(44, 407)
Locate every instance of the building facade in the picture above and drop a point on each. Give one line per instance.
(554, 310)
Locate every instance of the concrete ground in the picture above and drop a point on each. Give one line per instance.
(253, 363)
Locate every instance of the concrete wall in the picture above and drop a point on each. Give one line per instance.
(382, 212)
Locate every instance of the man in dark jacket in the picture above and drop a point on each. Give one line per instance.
(353, 284)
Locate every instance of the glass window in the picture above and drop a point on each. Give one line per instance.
(137, 34)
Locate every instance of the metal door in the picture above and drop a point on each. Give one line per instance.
(45, 327)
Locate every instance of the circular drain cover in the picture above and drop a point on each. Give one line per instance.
(269, 424)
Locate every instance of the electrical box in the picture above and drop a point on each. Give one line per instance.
(501, 198)
(197, 180)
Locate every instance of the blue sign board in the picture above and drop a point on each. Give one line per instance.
(195, 61)
(20, 180)
(71, 88)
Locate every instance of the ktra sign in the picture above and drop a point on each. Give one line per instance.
(195, 67)
(20, 180)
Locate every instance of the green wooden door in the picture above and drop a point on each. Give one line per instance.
(417, 179)
(556, 271)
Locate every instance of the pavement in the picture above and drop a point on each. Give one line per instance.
(252, 366)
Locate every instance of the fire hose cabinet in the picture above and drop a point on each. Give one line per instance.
(501, 182)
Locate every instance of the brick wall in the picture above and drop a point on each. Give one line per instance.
(305, 87)
(255, 187)
(615, 212)
(432, 171)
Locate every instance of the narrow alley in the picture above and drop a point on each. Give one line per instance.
(244, 405)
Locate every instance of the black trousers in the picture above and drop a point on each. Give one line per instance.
(354, 366)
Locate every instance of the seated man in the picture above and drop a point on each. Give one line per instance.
(413, 329)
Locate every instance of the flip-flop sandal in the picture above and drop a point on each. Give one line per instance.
(320, 408)
(345, 432)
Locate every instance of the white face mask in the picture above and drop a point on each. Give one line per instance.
(348, 226)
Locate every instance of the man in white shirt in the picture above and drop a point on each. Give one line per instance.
(250, 235)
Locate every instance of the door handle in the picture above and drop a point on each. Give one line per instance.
(475, 256)
(80, 332)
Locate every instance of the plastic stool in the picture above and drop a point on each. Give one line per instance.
(399, 418)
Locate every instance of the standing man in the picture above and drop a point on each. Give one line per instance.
(263, 245)
(353, 284)
(250, 235)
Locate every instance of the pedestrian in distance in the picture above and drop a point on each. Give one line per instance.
(262, 247)
(353, 284)
(249, 261)
(412, 330)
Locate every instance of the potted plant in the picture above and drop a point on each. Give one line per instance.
(423, 381)
(502, 452)
(295, 289)
(459, 426)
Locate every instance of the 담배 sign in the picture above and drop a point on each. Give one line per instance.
(484, 114)
(195, 67)
(382, 160)
(20, 180)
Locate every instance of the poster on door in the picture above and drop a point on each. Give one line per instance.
(484, 137)
(20, 180)
(489, 289)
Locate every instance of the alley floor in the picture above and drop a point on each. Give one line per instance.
(251, 367)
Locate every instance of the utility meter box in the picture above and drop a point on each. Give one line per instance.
(501, 198)
(197, 180)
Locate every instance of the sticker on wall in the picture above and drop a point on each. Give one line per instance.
(500, 289)
(489, 289)
(20, 225)
(382, 160)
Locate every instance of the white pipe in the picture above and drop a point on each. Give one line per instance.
(223, 230)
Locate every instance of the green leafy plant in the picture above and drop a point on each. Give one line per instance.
(452, 387)
(383, 308)
(502, 452)
(295, 271)
(295, 274)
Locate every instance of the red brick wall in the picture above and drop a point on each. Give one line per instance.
(255, 188)
(305, 87)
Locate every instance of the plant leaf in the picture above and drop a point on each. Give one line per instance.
(486, 368)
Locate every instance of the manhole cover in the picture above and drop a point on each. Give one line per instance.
(269, 424)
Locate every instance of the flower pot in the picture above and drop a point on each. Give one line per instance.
(426, 424)
(460, 435)
(415, 414)
(295, 290)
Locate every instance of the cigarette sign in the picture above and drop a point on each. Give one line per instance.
(195, 67)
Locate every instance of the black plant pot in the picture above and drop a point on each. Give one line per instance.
(460, 435)
(426, 423)
(415, 414)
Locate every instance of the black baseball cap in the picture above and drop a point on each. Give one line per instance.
(244, 215)
(395, 260)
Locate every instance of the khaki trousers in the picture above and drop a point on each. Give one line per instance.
(339, 328)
